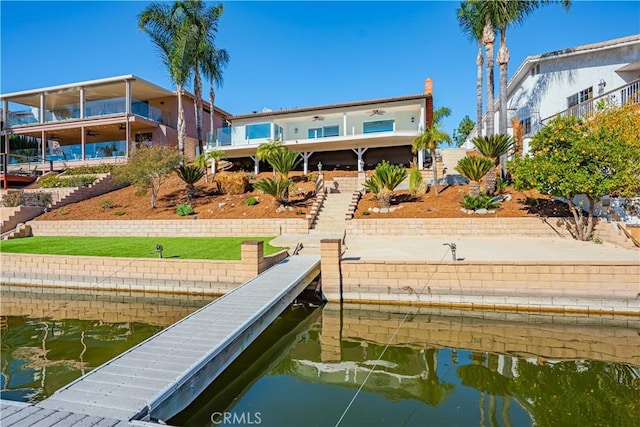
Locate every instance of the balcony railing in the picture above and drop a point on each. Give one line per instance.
(627, 93)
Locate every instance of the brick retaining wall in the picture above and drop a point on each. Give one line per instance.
(178, 228)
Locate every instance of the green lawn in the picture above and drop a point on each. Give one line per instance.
(218, 248)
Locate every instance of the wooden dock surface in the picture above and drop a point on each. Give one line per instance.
(162, 375)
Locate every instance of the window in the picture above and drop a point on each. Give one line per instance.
(535, 70)
(378, 126)
(580, 97)
(526, 126)
(323, 132)
(260, 131)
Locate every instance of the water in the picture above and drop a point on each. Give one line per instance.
(50, 339)
(442, 368)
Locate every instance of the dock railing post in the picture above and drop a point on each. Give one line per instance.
(252, 257)
(331, 276)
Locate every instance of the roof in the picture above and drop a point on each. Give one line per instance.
(572, 51)
(330, 106)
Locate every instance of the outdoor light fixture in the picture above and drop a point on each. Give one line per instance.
(413, 119)
(295, 130)
(601, 85)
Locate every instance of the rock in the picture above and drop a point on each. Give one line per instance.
(375, 209)
(463, 210)
(482, 211)
(370, 209)
(221, 204)
(384, 210)
(469, 212)
(290, 208)
(392, 209)
(491, 211)
(280, 209)
(507, 197)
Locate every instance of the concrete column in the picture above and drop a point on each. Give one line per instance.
(256, 165)
(43, 145)
(359, 152)
(305, 157)
(344, 124)
(42, 108)
(330, 340)
(127, 97)
(252, 257)
(82, 102)
(5, 113)
(330, 253)
(420, 159)
(83, 142)
(272, 131)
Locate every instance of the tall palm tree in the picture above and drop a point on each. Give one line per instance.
(471, 23)
(493, 147)
(170, 32)
(207, 59)
(218, 59)
(433, 136)
(474, 169)
(488, 39)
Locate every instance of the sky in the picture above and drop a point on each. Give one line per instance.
(294, 54)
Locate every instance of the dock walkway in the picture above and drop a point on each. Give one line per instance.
(161, 376)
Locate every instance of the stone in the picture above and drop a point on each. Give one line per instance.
(463, 210)
(375, 209)
(482, 211)
(507, 197)
(221, 204)
(384, 210)
(392, 209)
(469, 212)
(491, 211)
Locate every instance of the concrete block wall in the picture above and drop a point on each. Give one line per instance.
(461, 227)
(178, 228)
(137, 274)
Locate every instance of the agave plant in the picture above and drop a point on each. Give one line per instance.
(492, 147)
(190, 175)
(474, 168)
(384, 180)
(278, 188)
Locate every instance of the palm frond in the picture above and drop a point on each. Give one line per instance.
(474, 168)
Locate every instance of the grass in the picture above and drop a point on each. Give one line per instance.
(214, 248)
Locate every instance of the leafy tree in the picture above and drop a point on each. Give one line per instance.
(190, 175)
(172, 34)
(433, 136)
(492, 147)
(474, 168)
(147, 169)
(384, 180)
(471, 22)
(572, 158)
(465, 128)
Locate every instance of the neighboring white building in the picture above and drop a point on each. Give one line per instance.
(571, 82)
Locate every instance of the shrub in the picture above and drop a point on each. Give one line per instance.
(86, 170)
(384, 180)
(32, 198)
(481, 202)
(59, 181)
(312, 177)
(62, 212)
(278, 188)
(119, 213)
(416, 182)
(107, 204)
(251, 201)
(184, 210)
(190, 175)
(501, 185)
(232, 182)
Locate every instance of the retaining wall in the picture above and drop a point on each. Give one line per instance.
(179, 228)
(138, 274)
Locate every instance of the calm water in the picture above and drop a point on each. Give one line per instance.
(441, 367)
(50, 339)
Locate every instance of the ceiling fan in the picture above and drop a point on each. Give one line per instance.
(316, 118)
(92, 133)
(122, 127)
(377, 113)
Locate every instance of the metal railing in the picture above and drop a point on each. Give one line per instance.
(619, 96)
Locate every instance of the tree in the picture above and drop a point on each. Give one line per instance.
(591, 160)
(147, 169)
(493, 147)
(384, 180)
(465, 128)
(474, 168)
(433, 136)
(282, 160)
(212, 157)
(471, 22)
(171, 33)
(268, 149)
(207, 59)
(190, 175)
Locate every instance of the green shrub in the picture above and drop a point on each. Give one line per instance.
(62, 212)
(184, 210)
(416, 182)
(251, 201)
(59, 181)
(384, 180)
(278, 188)
(482, 202)
(107, 204)
(119, 213)
(501, 185)
(31, 198)
(87, 170)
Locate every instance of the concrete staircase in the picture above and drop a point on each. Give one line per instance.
(100, 186)
(331, 216)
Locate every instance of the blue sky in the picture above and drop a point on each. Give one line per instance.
(294, 54)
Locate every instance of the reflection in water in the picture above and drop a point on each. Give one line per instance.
(48, 340)
(443, 367)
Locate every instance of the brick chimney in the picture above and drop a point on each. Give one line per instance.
(428, 86)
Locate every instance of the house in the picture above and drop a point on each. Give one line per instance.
(349, 135)
(571, 81)
(94, 122)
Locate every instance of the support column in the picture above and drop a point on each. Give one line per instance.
(5, 113)
(127, 97)
(305, 158)
(256, 165)
(420, 159)
(330, 253)
(422, 118)
(42, 108)
(127, 136)
(83, 142)
(344, 124)
(252, 258)
(272, 131)
(359, 152)
(82, 102)
(43, 145)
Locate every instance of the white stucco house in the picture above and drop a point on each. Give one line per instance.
(570, 82)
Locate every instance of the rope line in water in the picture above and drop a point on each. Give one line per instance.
(384, 350)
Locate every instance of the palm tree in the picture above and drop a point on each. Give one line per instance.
(433, 136)
(207, 59)
(168, 29)
(212, 157)
(488, 39)
(268, 149)
(493, 147)
(474, 168)
(283, 161)
(190, 175)
(471, 23)
(218, 59)
(384, 180)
